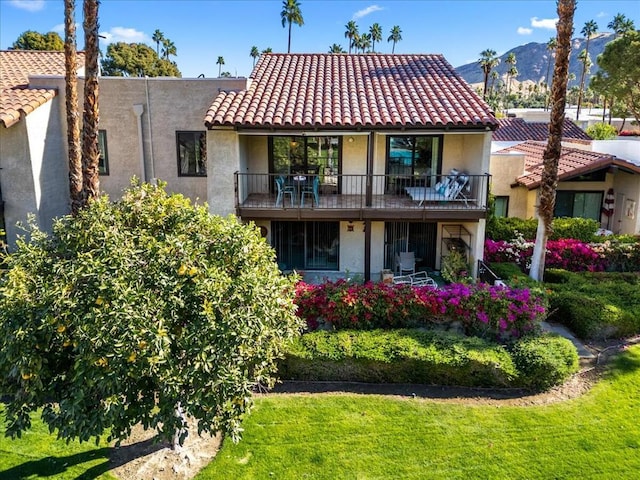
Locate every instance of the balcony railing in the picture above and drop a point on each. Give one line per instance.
(349, 193)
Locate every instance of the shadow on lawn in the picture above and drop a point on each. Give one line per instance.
(53, 466)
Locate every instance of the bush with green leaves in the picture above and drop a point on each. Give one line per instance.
(602, 131)
(429, 357)
(146, 311)
(595, 305)
(398, 356)
(544, 361)
(510, 228)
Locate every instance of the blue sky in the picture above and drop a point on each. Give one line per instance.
(202, 30)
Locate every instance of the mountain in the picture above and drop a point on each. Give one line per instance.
(532, 60)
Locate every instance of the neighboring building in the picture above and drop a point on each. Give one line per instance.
(514, 130)
(370, 129)
(350, 135)
(584, 179)
(33, 170)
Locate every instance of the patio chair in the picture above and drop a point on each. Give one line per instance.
(312, 190)
(406, 263)
(284, 190)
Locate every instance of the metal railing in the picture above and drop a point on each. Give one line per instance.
(486, 275)
(349, 191)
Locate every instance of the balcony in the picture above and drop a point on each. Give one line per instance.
(373, 197)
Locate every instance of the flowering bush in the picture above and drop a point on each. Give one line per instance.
(483, 310)
(569, 254)
(622, 256)
(629, 133)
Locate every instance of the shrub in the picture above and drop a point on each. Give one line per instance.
(596, 305)
(509, 228)
(398, 356)
(491, 311)
(544, 361)
(132, 310)
(622, 253)
(602, 131)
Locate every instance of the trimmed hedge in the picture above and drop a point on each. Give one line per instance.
(508, 228)
(423, 357)
(544, 361)
(595, 305)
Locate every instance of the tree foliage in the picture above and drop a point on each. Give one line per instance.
(136, 60)
(131, 309)
(31, 40)
(619, 75)
(602, 131)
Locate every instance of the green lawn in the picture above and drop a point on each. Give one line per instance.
(366, 437)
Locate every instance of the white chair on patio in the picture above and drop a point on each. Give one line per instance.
(406, 263)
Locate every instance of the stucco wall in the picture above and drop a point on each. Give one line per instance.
(168, 105)
(223, 160)
(627, 187)
(505, 168)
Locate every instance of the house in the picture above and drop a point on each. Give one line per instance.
(378, 135)
(149, 128)
(33, 178)
(585, 179)
(514, 130)
(344, 161)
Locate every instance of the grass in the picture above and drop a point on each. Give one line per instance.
(372, 437)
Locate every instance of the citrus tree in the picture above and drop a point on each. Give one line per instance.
(146, 311)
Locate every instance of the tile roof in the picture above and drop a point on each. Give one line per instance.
(573, 162)
(519, 130)
(347, 91)
(16, 98)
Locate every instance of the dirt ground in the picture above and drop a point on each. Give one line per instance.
(141, 459)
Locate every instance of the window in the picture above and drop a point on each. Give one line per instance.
(413, 160)
(578, 204)
(501, 206)
(192, 154)
(103, 161)
(306, 245)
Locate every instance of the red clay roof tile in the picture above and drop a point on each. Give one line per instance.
(572, 162)
(519, 130)
(342, 90)
(16, 98)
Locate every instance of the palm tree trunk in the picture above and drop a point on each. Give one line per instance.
(71, 103)
(289, 42)
(551, 155)
(90, 150)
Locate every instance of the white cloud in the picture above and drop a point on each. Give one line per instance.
(122, 34)
(548, 23)
(366, 11)
(602, 15)
(524, 31)
(29, 5)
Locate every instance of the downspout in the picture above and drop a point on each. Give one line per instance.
(151, 160)
(138, 110)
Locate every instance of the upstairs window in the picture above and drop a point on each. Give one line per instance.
(192, 154)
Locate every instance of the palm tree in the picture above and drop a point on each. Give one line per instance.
(376, 35)
(511, 74)
(494, 77)
(90, 149)
(552, 151)
(488, 61)
(266, 50)
(351, 33)
(220, 62)
(620, 25)
(589, 29)
(291, 14)
(158, 37)
(335, 48)
(551, 48)
(511, 61)
(254, 54)
(71, 99)
(365, 41)
(395, 37)
(169, 48)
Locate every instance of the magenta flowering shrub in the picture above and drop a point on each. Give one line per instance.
(483, 310)
(568, 254)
